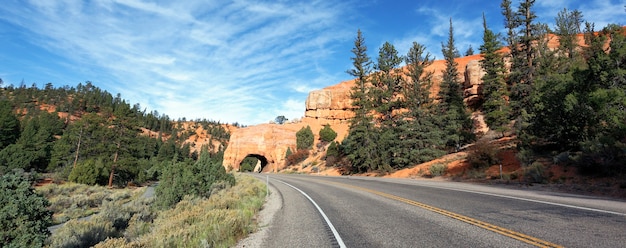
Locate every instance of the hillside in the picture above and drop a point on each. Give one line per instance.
(542, 159)
(85, 134)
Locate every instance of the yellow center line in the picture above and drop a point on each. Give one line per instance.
(506, 232)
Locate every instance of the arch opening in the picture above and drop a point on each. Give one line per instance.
(253, 163)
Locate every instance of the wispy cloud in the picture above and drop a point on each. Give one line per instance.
(235, 61)
(224, 61)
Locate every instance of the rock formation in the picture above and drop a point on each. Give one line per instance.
(269, 142)
(331, 105)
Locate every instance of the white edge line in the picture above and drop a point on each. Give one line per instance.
(332, 228)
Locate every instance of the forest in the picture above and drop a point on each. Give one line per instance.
(86, 135)
(566, 103)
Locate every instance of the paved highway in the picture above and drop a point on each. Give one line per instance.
(317, 211)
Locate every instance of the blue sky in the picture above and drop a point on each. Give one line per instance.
(233, 61)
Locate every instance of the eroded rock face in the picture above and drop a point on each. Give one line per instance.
(472, 85)
(331, 105)
(271, 141)
(267, 140)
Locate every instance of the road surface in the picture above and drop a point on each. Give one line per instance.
(317, 211)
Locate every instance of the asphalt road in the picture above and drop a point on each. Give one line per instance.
(318, 211)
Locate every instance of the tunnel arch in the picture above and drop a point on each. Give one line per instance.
(262, 160)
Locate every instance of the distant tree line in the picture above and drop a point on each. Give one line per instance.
(569, 100)
(97, 138)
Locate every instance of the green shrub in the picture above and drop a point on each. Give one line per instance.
(219, 221)
(288, 152)
(24, 217)
(333, 150)
(90, 172)
(437, 169)
(327, 134)
(186, 178)
(304, 138)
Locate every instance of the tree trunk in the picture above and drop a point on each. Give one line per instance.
(80, 135)
(113, 166)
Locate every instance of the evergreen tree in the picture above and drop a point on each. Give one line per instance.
(455, 120)
(327, 134)
(386, 84)
(9, 125)
(124, 131)
(24, 216)
(420, 140)
(359, 145)
(417, 86)
(288, 152)
(525, 66)
(304, 138)
(470, 51)
(385, 91)
(494, 89)
(567, 27)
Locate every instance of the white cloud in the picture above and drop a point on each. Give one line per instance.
(223, 61)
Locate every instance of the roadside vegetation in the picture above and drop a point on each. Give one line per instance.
(72, 200)
(124, 219)
(561, 105)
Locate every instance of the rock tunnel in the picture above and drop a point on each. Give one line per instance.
(261, 165)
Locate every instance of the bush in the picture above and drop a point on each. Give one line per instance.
(76, 233)
(219, 221)
(288, 152)
(304, 138)
(90, 172)
(333, 150)
(185, 178)
(297, 157)
(535, 173)
(438, 169)
(24, 216)
(482, 154)
(327, 134)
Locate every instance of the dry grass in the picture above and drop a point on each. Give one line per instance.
(221, 220)
(72, 201)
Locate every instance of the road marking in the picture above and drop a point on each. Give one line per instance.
(332, 228)
(506, 232)
(529, 200)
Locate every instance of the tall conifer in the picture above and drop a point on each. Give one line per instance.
(456, 121)
(494, 88)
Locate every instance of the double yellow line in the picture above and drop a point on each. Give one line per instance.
(506, 232)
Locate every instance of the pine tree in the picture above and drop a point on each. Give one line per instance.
(455, 119)
(304, 138)
(386, 84)
(9, 125)
(24, 216)
(525, 68)
(359, 145)
(419, 81)
(469, 51)
(420, 140)
(494, 88)
(567, 27)
(385, 91)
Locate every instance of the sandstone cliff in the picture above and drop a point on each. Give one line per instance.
(332, 105)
